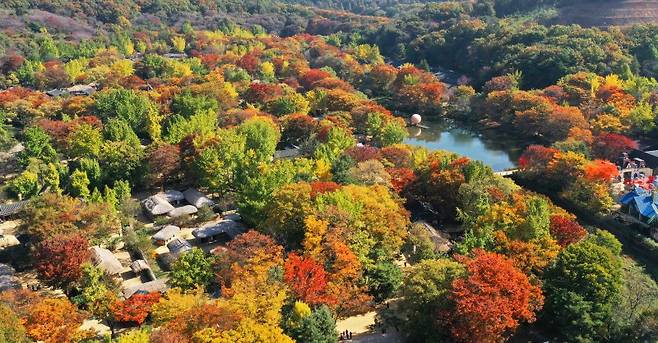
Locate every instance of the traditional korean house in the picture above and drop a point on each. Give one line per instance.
(196, 198)
(158, 285)
(223, 231)
(156, 206)
(82, 90)
(647, 158)
(165, 235)
(172, 196)
(105, 260)
(183, 210)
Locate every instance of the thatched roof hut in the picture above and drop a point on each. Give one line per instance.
(147, 287)
(83, 90)
(105, 260)
(183, 210)
(225, 230)
(156, 206)
(197, 198)
(165, 234)
(172, 195)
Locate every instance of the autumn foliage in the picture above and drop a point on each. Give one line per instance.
(307, 279)
(321, 187)
(565, 230)
(610, 146)
(536, 157)
(53, 321)
(492, 300)
(136, 308)
(59, 259)
(401, 178)
(600, 170)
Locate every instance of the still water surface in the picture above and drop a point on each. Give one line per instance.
(499, 153)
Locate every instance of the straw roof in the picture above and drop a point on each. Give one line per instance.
(183, 210)
(147, 287)
(166, 233)
(157, 205)
(172, 195)
(230, 228)
(197, 198)
(105, 260)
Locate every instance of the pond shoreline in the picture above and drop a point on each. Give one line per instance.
(489, 145)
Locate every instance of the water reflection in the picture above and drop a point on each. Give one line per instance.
(497, 152)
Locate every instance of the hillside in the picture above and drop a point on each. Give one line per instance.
(609, 13)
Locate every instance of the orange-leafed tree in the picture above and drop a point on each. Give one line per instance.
(59, 259)
(241, 251)
(53, 214)
(536, 158)
(136, 308)
(307, 279)
(401, 178)
(492, 299)
(531, 257)
(201, 317)
(345, 272)
(166, 335)
(53, 321)
(566, 230)
(312, 76)
(600, 171)
(322, 187)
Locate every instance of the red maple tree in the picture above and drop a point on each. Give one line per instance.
(565, 230)
(312, 76)
(492, 299)
(610, 146)
(536, 157)
(400, 157)
(401, 178)
(307, 279)
(321, 187)
(136, 308)
(363, 153)
(59, 259)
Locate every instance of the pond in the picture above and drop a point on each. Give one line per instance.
(499, 153)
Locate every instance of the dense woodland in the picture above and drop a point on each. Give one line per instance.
(203, 93)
